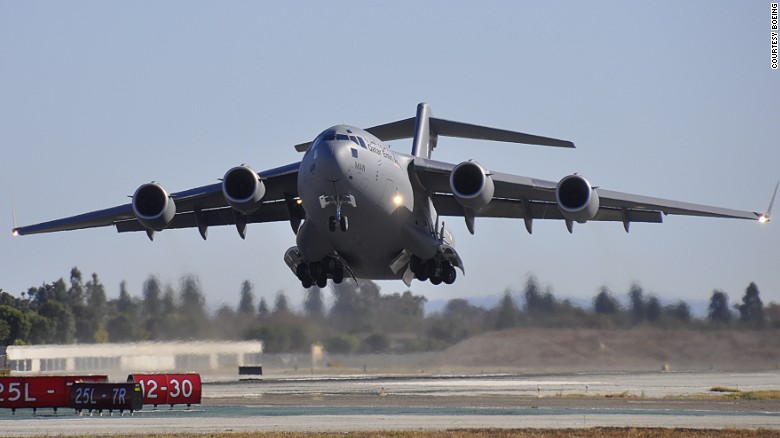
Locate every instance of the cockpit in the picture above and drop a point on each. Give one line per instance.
(333, 135)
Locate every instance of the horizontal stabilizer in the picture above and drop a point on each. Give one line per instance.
(447, 128)
(439, 127)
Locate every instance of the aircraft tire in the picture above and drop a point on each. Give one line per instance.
(449, 274)
(344, 224)
(338, 274)
(332, 223)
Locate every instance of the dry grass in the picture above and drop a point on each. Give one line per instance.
(736, 394)
(596, 432)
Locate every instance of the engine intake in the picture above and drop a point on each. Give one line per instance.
(576, 198)
(243, 189)
(471, 185)
(153, 207)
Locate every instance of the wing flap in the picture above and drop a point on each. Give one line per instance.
(268, 212)
(446, 205)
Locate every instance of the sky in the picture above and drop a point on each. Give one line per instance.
(674, 100)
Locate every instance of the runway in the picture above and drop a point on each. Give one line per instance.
(424, 402)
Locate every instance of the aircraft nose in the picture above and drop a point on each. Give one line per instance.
(333, 160)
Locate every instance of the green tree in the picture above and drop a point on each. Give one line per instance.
(342, 344)
(246, 305)
(605, 303)
(42, 329)
(376, 343)
(751, 311)
(152, 308)
(193, 322)
(17, 323)
(680, 311)
(121, 328)
(532, 295)
(5, 332)
(96, 298)
(7, 299)
(64, 325)
(280, 304)
(262, 308)
(719, 310)
(75, 293)
(506, 316)
(638, 309)
(653, 309)
(125, 304)
(313, 304)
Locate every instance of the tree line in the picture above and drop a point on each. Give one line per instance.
(361, 319)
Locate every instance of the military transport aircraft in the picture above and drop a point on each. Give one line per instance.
(359, 209)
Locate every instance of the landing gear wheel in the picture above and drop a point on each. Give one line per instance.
(344, 224)
(302, 271)
(306, 283)
(436, 280)
(332, 223)
(322, 282)
(338, 274)
(432, 266)
(449, 274)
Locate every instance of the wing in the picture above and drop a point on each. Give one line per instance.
(200, 207)
(529, 198)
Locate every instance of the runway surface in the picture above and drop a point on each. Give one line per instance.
(366, 403)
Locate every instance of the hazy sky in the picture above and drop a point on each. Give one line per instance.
(668, 99)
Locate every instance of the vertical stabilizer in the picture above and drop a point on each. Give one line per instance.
(424, 137)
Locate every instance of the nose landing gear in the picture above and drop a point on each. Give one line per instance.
(339, 221)
(335, 222)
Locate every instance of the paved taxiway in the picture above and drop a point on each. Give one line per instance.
(355, 403)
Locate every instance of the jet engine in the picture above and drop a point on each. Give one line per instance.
(153, 207)
(576, 198)
(472, 185)
(243, 189)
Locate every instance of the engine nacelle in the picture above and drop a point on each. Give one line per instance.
(472, 185)
(576, 198)
(153, 207)
(243, 189)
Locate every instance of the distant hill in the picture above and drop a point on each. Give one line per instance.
(698, 308)
(538, 349)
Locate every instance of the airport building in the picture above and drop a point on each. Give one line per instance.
(198, 356)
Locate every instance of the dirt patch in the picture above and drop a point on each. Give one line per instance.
(536, 349)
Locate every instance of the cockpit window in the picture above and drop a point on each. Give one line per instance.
(330, 137)
(362, 142)
(342, 137)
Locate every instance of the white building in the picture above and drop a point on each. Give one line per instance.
(203, 356)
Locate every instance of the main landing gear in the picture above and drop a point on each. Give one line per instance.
(318, 272)
(438, 271)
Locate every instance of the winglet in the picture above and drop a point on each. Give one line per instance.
(766, 217)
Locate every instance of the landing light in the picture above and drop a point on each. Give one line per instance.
(15, 233)
(299, 201)
(398, 200)
(763, 219)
